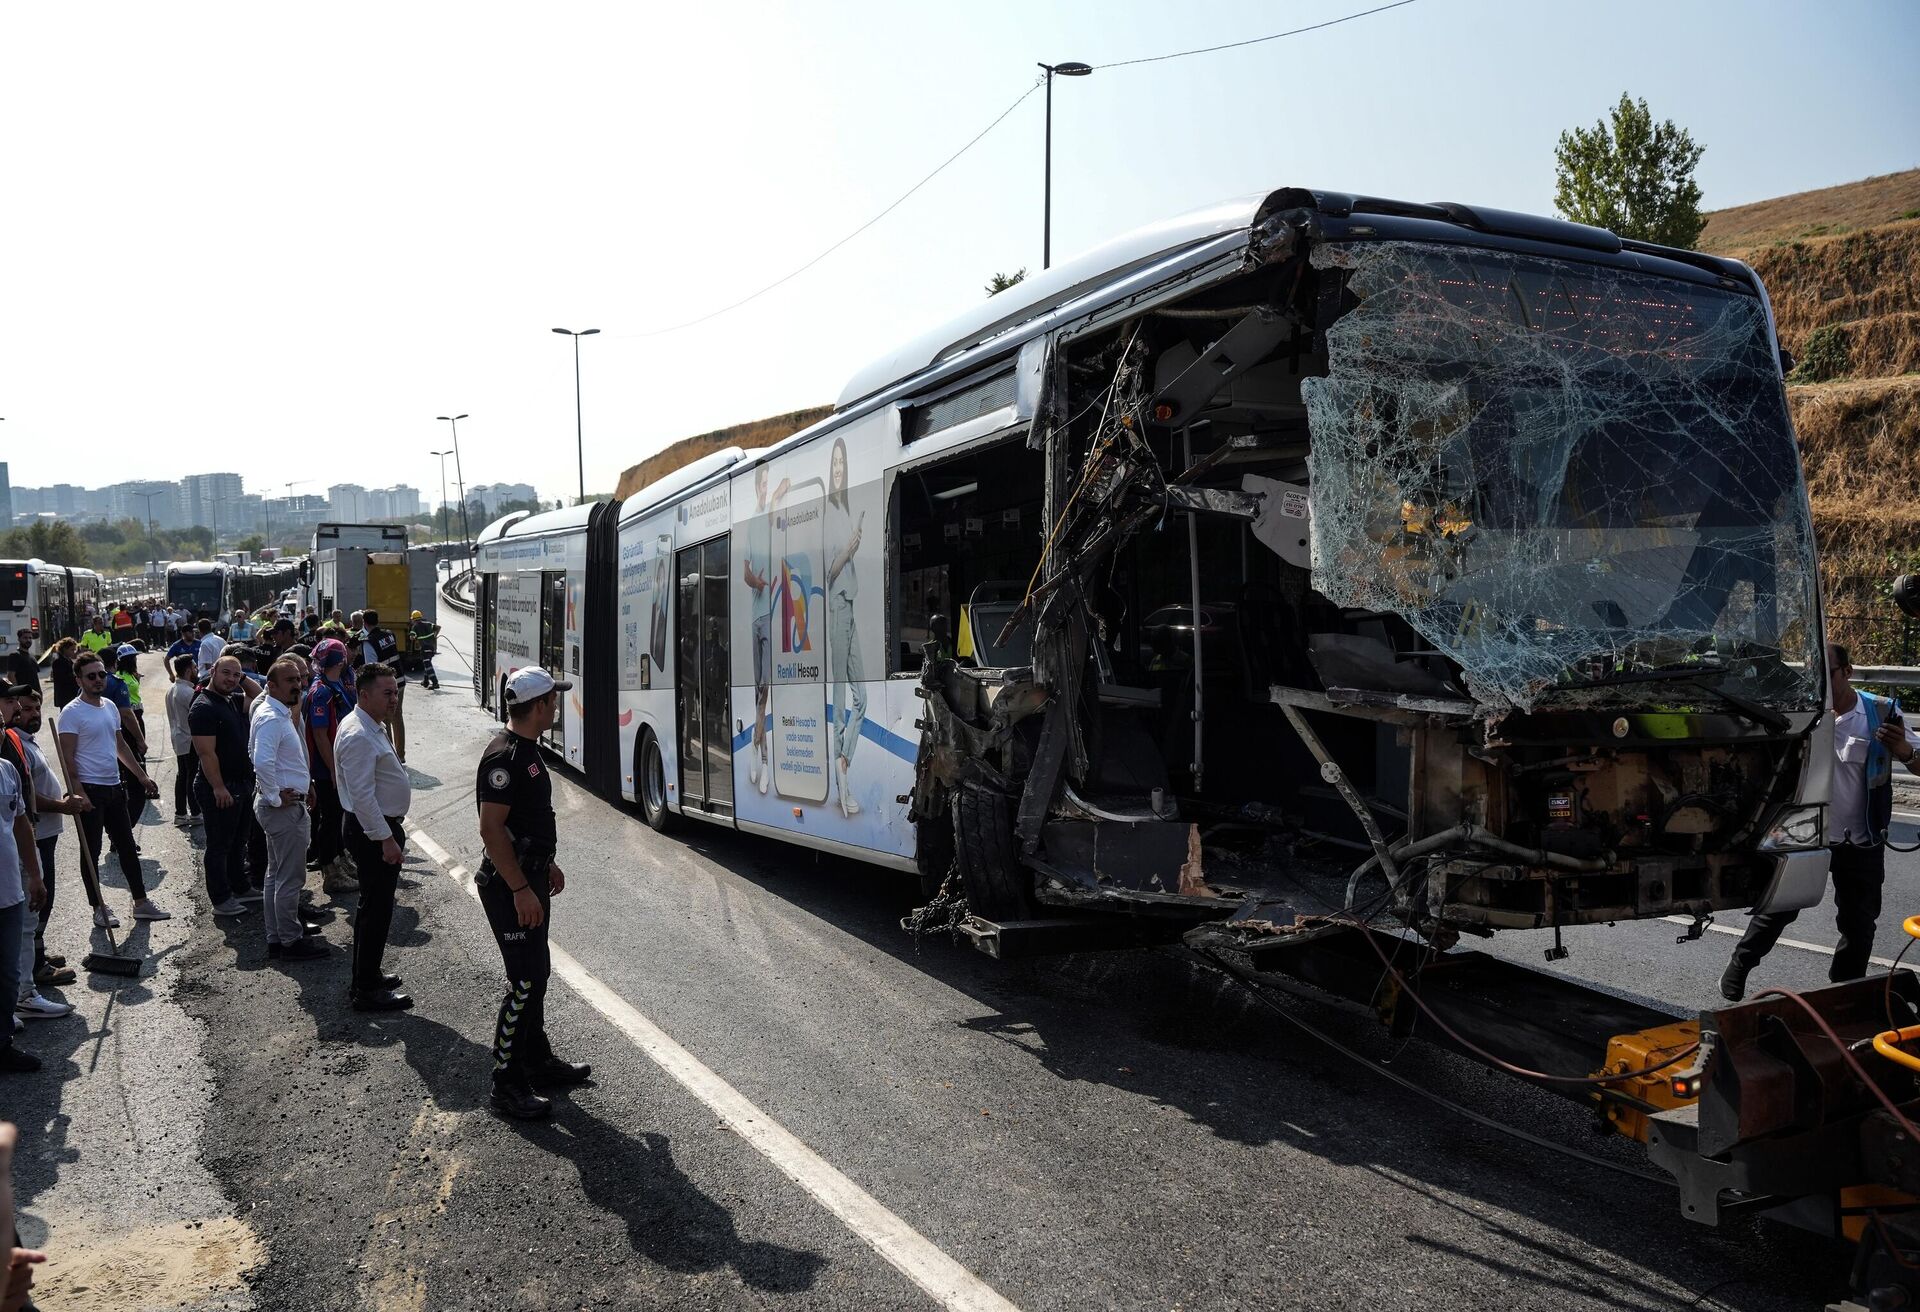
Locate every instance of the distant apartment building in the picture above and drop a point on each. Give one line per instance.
(6, 499)
(204, 500)
(491, 496)
(347, 503)
(145, 501)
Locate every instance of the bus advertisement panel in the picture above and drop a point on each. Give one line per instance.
(812, 748)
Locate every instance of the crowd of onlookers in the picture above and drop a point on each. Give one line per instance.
(254, 710)
(288, 746)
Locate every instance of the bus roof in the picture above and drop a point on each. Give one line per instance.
(1035, 296)
(568, 519)
(1226, 226)
(683, 479)
(197, 567)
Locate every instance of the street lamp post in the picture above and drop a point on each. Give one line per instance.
(217, 502)
(153, 547)
(446, 519)
(459, 480)
(1068, 68)
(579, 438)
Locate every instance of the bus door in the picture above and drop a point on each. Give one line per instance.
(553, 649)
(702, 632)
(485, 591)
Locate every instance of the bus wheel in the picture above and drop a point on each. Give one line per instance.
(998, 886)
(933, 853)
(653, 784)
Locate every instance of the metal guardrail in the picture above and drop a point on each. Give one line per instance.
(1896, 676)
(457, 591)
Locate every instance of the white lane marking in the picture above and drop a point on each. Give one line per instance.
(947, 1282)
(1802, 944)
(1906, 815)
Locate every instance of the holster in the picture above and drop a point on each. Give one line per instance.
(534, 858)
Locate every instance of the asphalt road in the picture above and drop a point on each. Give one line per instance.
(1116, 1130)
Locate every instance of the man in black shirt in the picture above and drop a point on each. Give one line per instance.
(517, 882)
(217, 719)
(21, 667)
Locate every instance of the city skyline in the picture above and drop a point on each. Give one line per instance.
(219, 501)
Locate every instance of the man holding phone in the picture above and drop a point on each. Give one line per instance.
(1869, 735)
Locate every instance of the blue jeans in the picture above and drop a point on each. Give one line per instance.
(13, 923)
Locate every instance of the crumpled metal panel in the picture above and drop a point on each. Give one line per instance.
(1547, 466)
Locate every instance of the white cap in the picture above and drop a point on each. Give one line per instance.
(531, 683)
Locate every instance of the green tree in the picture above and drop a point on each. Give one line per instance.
(252, 542)
(53, 541)
(1632, 176)
(1001, 281)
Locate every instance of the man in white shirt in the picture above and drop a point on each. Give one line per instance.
(1869, 735)
(20, 894)
(281, 791)
(211, 645)
(93, 750)
(51, 806)
(375, 794)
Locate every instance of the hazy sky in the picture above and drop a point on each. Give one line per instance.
(280, 239)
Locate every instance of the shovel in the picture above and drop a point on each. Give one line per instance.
(99, 963)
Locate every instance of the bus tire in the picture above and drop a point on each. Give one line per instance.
(998, 886)
(650, 784)
(933, 854)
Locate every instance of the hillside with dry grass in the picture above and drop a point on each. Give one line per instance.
(758, 433)
(1830, 211)
(1842, 266)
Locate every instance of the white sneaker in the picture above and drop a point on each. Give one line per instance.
(230, 908)
(753, 770)
(35, 1007)
(103, 918)
(145, 909)
(848, 807)
(766, 775)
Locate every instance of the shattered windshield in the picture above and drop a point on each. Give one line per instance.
(1560, 474)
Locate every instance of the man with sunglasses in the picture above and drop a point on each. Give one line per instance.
(94, 751)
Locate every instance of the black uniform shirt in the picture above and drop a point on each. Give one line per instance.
(512, 773)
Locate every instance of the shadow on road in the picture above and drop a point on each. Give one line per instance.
(1158, 1025)
(669, 1220)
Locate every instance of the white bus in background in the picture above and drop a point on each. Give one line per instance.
(202, 587)
(49, 601)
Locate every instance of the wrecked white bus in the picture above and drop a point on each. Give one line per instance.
(1453, 561)
(1419, 562)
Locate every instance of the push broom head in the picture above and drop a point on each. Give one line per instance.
(101, 963)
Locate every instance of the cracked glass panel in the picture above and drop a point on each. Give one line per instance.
(1561, 473)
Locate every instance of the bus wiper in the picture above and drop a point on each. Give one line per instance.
(1764, 716)
(1674, 672)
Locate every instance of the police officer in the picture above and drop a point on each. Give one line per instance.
(517, 881)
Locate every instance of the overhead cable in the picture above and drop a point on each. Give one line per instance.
(1252, 41)
(715, 314)
(976, 139)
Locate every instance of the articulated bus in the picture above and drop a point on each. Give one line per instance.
(49, 601)
(1483, 536)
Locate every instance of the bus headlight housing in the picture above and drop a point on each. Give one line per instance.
(1796, 829)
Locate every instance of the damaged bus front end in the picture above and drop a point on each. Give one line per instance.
(1406, 563)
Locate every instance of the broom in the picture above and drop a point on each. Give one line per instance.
(99, 963)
